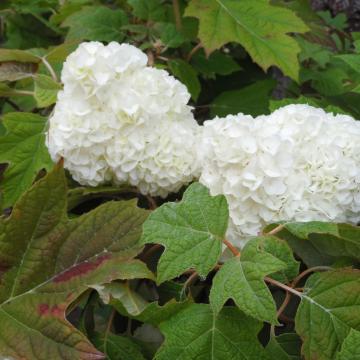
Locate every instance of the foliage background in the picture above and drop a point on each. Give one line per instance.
(234, 56)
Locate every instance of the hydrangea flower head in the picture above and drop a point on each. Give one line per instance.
(118, 120)
(297, 164)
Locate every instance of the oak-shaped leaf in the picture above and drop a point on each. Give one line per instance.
(242, 279)
(329, 309)
(191, 231)
(131, 304)
(197, 333)
(261, 28)
(350, 348)
(47, 261)
(23, 148)
(321, 243)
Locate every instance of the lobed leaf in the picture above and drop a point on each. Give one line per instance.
(191, 231)
(49, 260)
(242, 279)
(258, 26)
(329, 309)
(197, 333)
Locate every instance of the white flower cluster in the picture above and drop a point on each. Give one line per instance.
(118, 120)
(299, 164)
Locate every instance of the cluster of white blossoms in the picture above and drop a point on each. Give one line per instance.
(119, 121)
(299, 163)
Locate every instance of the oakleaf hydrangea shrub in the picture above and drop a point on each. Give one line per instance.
(237, 239)
(119, 121)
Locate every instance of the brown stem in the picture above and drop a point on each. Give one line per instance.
(282, 286)
(150, 58)
(50, 69)
(190, 280)
(177, 14)
(308, 271)
(232, 248)
(109, 324)
(152, 202)
(275, 230)
(193, 51)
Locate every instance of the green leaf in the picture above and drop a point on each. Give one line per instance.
(45, 90)
(329, 309)
(350, 348)
(169, 35)
(320, 243)
(282, 251)
(23, 147)
(352, 60)
(18, 56)
(216, 63)
(152, 313)
(191, 231)
(187, 75)
(252, 99)
(242, 279)
(13, 71)
(284, 347)
(60, 53)
(329, 82)
(120, 293)
(196, 333)
(6, 91)
(313, 51)
(118, 347)
(97, 23)
(276, 104)
(258, 26)
(80, 194)
(49, 260)
(153, 10)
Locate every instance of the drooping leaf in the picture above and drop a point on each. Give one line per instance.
(23, 147)
(45, 90)
(117, 347)
(197, 333)
(320, 243)
(350, 348)
(191, 231)
(97, 23)
(49, 260)
(329, 309)
(18, 56)
(252, 99)
(148, 313)
(262, 29)
(242, 279)
(284, 347)
(121, 294)
(13, 71)
(187, 75)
